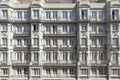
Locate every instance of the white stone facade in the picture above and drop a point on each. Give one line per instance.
(59, 39)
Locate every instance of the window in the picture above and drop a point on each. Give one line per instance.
(26, 71)
(25, 14)
(19, 42)
(94, 42)
(72, 15)
(55, 15)
(36, 71)
(4, 28)
(36, 41)
(48, 29)
(115, 14)
(94, 28)
(64, 27)
(19, 71)
(4, 13)
(36, 57)
(47, 42)
(94, 56)
(84, 14)
(48, 71)
(114, 57)
(54, 29)
(102, 71)
(36, 27)
(26, 56)
(64, 70)
(65, 42)
(54, 42)
(84, 57)
(19, 28)
(55, 56)
(100, 28)
(114, 71)
(48, 14)
(19, 15)
(19, 56)
(115, 41)
(36, 13)
(5, 71)
(84, 41)
(115, 26)
(64, 14)
(55, 71)
(26, 28)
(71, 70)
(94, 71)
(71, 56)
(5, 57)
(48, 56)
(101, 15)
(5, 42)
(94, 15)
(101, 56)
(71, 42)
(65, 54)
(25, 42)
(84, 27)
(84, 71)
(71, 29)
(101, 41)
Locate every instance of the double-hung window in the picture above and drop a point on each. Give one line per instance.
(115, 14)
(84, 72)
(55, 14)
(4, 14)
(48, 15)
(36, 14)
(36, 41)
(19, 15)
(65, 15)
(94, 15)
(84, 14)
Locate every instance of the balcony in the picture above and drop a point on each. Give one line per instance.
(83, 1)
(59, 34)
(98, 34)
(35, 47)
(3, 62)
(34, 63)
(21, 47)
(18, 63)
(59, 63)
(98, 47)
(99, 63)
(112, 2)
(114, 47)
(36, 19)
(114, 63)
(83, 47)
(21, 34)
(57, 47)
(3, 46)
(5, 19)
(19, 76)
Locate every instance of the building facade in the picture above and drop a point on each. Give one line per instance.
(59, 40)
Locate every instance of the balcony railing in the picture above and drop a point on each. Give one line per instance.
(3, 46)
(115, 2)
(59, 33)
(98, 34)
(18, 62)
(21, 33)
